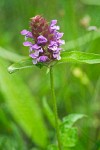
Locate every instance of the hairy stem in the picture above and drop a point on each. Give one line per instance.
(55, 107)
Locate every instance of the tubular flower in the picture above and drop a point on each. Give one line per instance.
(45, 40)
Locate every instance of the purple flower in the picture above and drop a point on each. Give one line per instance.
(36, 47)
(24, 32)
(34, 55)
(58, 35)
(27, 34)
(57, 56)
(45, 40)
(41, 40)
(42, 58)
(53, 22)
(27, 43)
(53, 46)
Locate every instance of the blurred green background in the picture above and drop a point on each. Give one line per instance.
(26, 121)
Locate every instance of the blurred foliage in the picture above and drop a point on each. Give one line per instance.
(24, 123)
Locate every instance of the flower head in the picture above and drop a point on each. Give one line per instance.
(45, 40)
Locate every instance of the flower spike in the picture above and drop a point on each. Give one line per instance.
(46, 40)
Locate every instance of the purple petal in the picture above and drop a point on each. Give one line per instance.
(36, 47)
(53, 48)
(54, 27)
(24, 32)
(42, 58)
(58, 50)
(53, 45)
(59, 35)
(57, 56)
(53, 22)
(41, 40)
(29, 34)
(36, 53)
(27, 43)
(33, 55)
(40, 50)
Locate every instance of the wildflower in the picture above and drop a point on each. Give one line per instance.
(45, 40)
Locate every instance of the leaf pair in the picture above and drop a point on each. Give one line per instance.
(73, 56)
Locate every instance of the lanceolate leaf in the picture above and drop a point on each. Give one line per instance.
(23, 106)
(24, 63)
(79, 57)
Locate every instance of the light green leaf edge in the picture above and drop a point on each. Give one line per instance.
(70, 120)
(24, 63)
(79, 57)
(91, 2)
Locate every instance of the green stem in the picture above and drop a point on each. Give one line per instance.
(55, 107)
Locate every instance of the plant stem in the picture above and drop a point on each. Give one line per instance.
(55, 107)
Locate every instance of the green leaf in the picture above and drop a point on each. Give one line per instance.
(79, 57)
(48, 112)
(24, 63)
(73, 56)
(22, 105)
(91, 2)
(69, 120)
(68, 133)
(69, 137)
(52, 147)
